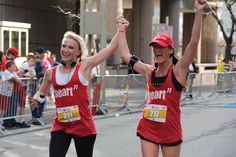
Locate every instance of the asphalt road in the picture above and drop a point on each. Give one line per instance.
(209, 131)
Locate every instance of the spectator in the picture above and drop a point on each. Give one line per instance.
(220, 75)
(193, 70)
(49, 56)
(233, 64)
(95, 88)
(45, 61)
(1, 58)
(2, 97)
(42, 64)
(11, 54)
(6, 90)
(27, 70)
(39, 65)
(54, 61)
(28, 67)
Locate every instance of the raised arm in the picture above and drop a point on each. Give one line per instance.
(181, 67)
(92, 61)
(126, 56)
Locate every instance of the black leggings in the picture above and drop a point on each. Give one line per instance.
(60, 142)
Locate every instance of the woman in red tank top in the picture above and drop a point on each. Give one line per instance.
(73, 119)
(160, 122)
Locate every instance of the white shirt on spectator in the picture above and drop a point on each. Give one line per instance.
(31, 69)
(6, 87)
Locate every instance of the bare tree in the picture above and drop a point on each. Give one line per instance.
(227, 33)
(74, 16)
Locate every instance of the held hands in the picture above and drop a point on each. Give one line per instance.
(122, 23)
(200, 5)
(33, 103)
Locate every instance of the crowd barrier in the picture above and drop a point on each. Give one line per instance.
(114, 93)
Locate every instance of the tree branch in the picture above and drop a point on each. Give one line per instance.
(215, 16)
(68, 13)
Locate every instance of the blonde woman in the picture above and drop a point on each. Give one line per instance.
(70, 79)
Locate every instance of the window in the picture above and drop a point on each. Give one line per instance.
(14, 34)
(23, 43)
(15, 39)
(6, 40)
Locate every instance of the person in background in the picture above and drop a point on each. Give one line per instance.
(160, 123)
(11, 78)
(49, 56)
(27, 70)
(1, 59)
(95, 87)
(220, 74)
(45, 55)
(3, 98)
(233, 64)
(44, 58)
(11, 55)
(54, 61)
(95, 71)
(39, 65)
(193, 70)
(28, 67)
(70, 80)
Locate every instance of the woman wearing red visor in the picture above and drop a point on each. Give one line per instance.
(160, 124)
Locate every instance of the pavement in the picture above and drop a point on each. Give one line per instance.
(115, 107)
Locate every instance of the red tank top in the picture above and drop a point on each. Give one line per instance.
(73, 94)
(166, 127)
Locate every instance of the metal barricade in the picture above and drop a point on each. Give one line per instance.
(122, 93)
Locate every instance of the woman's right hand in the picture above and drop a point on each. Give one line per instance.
(200, 5)
(32, 102)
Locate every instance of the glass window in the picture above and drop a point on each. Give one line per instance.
(23, 44)
(6, 40)
(15, 39)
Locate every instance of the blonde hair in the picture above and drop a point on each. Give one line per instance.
(80, 41)
(30, 55)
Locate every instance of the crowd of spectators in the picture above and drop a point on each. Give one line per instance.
(17, 83)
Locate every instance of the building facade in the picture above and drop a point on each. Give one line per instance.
(27, 24)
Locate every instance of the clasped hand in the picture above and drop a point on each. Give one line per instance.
(122, 23)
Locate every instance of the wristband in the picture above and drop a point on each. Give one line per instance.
(122, 30)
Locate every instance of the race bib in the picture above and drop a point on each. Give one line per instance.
(156, 113)
(68, 114)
